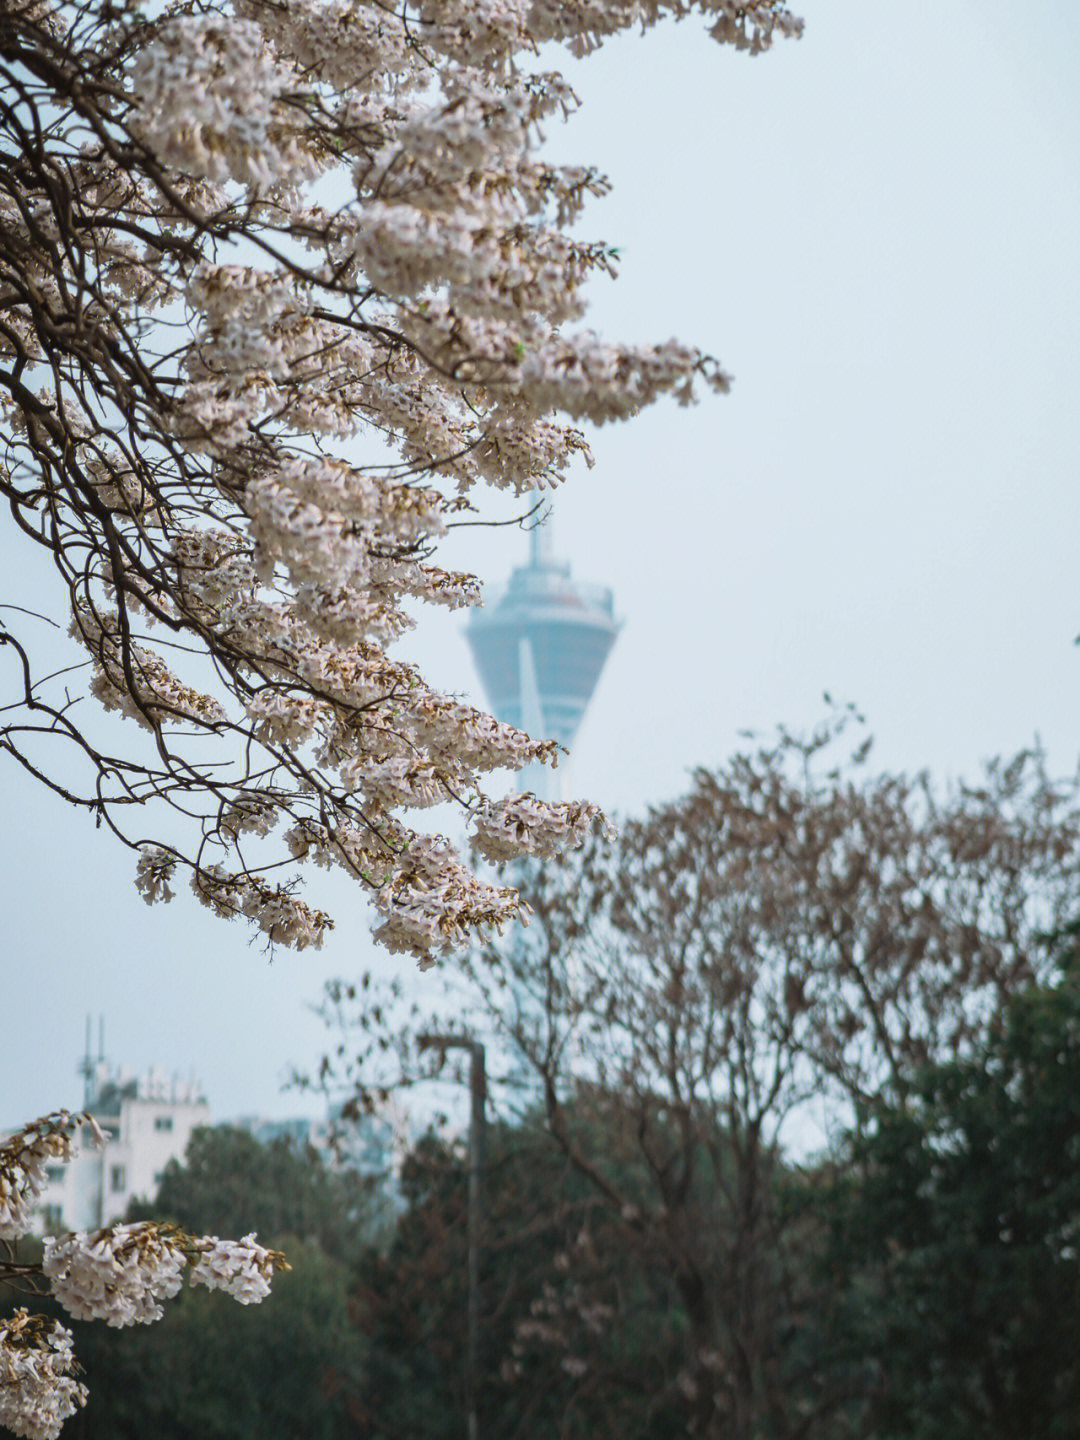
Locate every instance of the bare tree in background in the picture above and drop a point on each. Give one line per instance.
(735, 977)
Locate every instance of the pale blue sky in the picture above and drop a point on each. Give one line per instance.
(877, 230)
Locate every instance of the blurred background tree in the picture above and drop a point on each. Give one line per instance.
(713, 1009)
(558, 1356)
(785, 1147)
(956, 1215)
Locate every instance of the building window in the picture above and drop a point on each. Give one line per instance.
(118, 1178)
(163, 1122)
(55, 1174)
(50, 1215)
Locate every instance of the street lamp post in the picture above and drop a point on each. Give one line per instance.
(477, 1098)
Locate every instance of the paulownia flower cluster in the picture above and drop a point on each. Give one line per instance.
(282, 283)
(119, 1274)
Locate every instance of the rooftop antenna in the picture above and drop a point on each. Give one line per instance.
(85, 1067)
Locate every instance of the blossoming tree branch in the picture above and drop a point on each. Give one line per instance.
(283, 284)
(193, 345)
(119, 1274)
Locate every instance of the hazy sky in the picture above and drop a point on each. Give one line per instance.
(877, 230)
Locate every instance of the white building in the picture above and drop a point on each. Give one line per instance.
(146, 1123)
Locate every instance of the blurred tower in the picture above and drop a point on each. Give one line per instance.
(539, 647)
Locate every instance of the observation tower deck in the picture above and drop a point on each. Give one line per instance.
(540, 645)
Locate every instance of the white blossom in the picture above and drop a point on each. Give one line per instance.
(210, 92)
(241, 1268)
(431, 902)
(132, 679)
(155, 869)
(37, 1389)
(24, 1159)
(119, 1275)
(524, 825)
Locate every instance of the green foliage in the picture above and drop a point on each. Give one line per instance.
(958, 1220)
(215, 1370)
(789, 934)
(588, 1328)
(231, 1184)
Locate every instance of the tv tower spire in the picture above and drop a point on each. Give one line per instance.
(540, 646)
